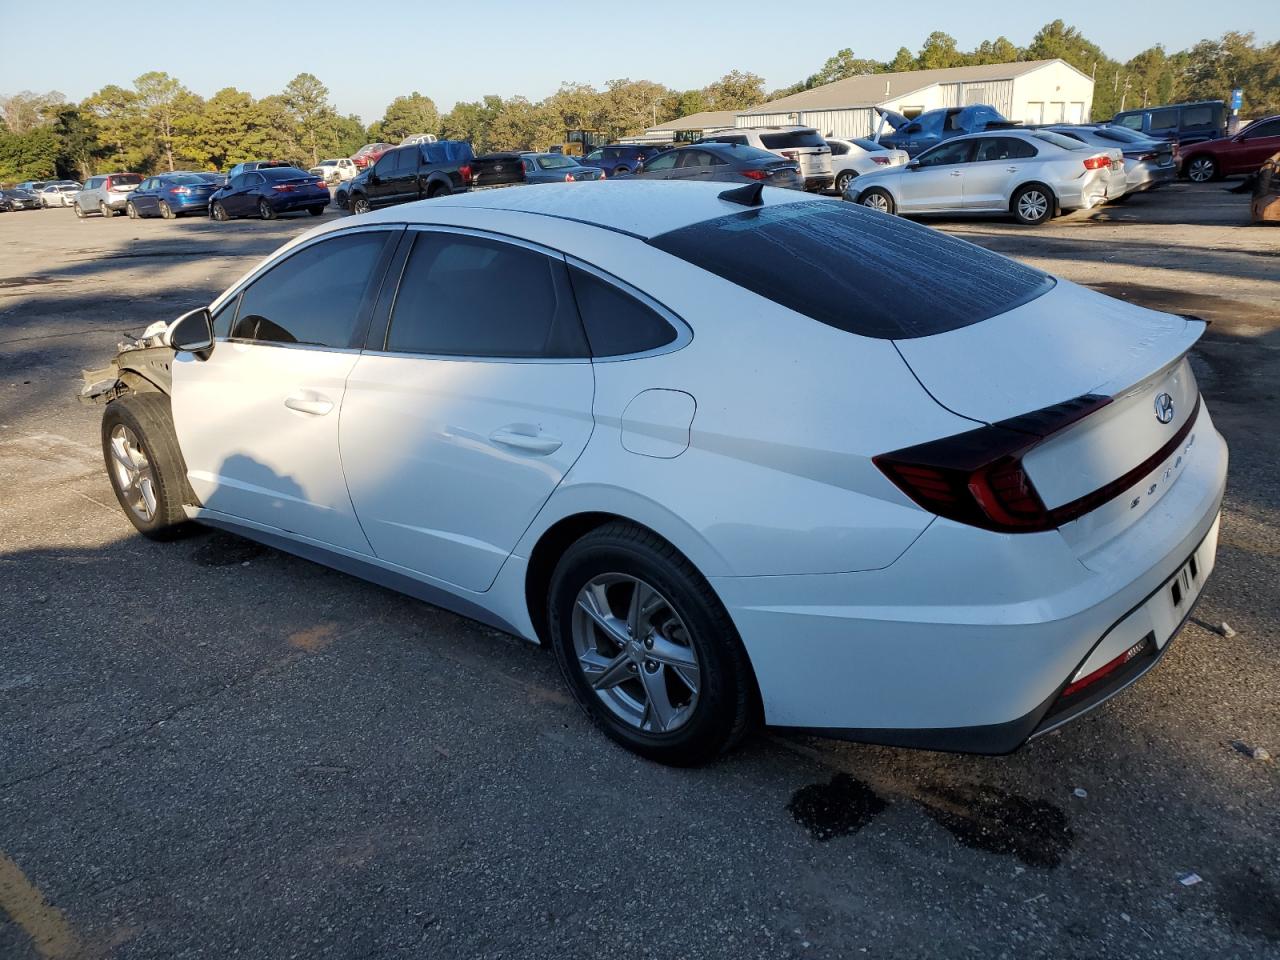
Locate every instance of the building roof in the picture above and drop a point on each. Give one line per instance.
(707, 120)
(873, 88)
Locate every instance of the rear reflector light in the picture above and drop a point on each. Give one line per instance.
(1097, 163)
(754, 174)
(1111, 666)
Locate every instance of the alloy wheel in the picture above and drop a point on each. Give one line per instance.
(1200, 170)
(635, 653)
(1033, 205)
(876, 201)
(133, 473)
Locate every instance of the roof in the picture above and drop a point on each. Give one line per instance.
(705, 120)
(873, 88)
(639, 208)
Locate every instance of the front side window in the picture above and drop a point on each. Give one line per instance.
(313, 297)
(1133, 121)
(467, 296)
(1268, 128)
(617, 324)
(956, 152)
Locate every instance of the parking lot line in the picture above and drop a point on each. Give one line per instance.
(46, 925)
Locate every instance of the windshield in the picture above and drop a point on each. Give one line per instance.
(857, 270)
(787, 139)
(1058, 140)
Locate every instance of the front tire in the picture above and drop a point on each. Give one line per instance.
(79, 212)
(315, 211)
(218, 212)
(359, 205)
(647, 648)
(878, 199)
(1032, 204)
(144, 464)
(1202, 169)
(166, 211)
(265, 210)
(131, 210)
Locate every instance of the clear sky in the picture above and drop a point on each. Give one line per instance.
(369, 52)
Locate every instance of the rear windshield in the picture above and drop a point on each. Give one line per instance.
(866, 144)
(1057, 139)
(857, 270)
(1120, 135)
(448, 151)
(185, 178)
(125, 178)
(792, 138)
(283, 173)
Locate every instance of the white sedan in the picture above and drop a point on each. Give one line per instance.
(852, 158)
(335, 171)
(59, 194)
(1031, 174)
(734, 454)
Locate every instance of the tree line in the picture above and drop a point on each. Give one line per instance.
(158, 124)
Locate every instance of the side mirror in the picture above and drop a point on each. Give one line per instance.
(913, 164)
(193, 333)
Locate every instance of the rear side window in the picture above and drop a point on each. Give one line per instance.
(1003, 148)
(313, 297)
(474, 297)
(617, 323)
(789, 139)
(1058, 140)
(857, 270)
(1197, 116)
(1131, 120)
(1162, 119)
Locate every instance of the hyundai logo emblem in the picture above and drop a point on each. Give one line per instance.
(1164, 408)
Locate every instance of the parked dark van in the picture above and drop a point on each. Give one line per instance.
(1183, 122)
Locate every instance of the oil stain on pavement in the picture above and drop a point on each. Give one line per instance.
(836, 809)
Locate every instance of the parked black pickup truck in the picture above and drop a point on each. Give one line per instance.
(421, 171)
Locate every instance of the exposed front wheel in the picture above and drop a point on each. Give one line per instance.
(265, 210)
(144, 464)
(1032, 205)
(359, 205)
(647, 649)
(79, 211)
(1201, 169)
(131, 210)
(879, 200)
(166, 211)
(218, 212)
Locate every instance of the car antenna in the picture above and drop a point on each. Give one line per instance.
(748, 196)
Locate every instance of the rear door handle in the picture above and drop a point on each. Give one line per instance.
(308, 401)
(1012, 169)
(541, 444)
(955, 173)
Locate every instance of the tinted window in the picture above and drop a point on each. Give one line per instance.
(663, 161)
(223, 316)
(314, 296)
(1058, 140)
(1118, 135)
(1269, 128)
(1004, 148)
(1160, 119)
(469, 296)
(958, 151)
(871, 145)
(407, 160)
(1133, 121)
(280, 173)
(1197, 116)
(857, 270)
(838, 149)
(617, 323)
(124, 179)
(696, 158)
(788, 139)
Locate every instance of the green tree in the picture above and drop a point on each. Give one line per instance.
(78, 145)
(842, 66)
(349, 135)
(939, 51)
(999, 50)
(306, 101)
(902, 61)
(736, 90)
(160, 100)
(406, 116)
(470, 121)
(122, 129)
(32, 155)
(628, 106)
(26, 110)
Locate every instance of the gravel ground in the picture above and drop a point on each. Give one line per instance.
(212, 749)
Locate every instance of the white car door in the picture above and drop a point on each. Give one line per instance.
(999, 165)
(456, 432)
(936, 183)
(257, 422)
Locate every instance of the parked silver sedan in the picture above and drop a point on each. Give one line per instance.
(1147, 163)
(61, 194)
(1031, 174)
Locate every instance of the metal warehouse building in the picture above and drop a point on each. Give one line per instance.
(1036, 91)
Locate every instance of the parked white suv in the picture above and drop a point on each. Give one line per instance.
(335, 171)
(804, 145)
(731, 453)
(106, 194)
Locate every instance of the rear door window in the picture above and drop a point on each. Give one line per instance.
(313, 297)
(857, 270)
(1003, 148)
(468, 296)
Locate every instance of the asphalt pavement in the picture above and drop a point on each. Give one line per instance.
(212, 749)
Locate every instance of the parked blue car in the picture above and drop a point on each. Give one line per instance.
(619, 158)
(556, 168)
(170, 195)
(269, 192)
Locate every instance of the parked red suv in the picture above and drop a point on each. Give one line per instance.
(1244, 153)
(370, 153)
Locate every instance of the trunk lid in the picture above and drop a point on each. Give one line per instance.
(497, 169)
(1065, 344)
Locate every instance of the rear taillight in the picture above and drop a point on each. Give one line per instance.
(283, 188)
(754, 174)
(466, 173)
(789, 154)
(1097, 163)
(978, 477)
(568, 178)
(882, 161)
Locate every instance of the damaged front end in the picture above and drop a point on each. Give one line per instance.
(141, 365)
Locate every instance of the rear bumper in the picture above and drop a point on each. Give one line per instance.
(967, 642)
(285, 203)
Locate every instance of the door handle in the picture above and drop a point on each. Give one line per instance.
(1011, 169)
(955, 173)
(307, 401)
(541, 444)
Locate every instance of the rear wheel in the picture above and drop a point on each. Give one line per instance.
(620, 171)
(647, 648)
(166, 211)
(1032, 205)
(144, 463)
(105, 210)
(265, 210)
(218, 212)
(438, 190)
(315, 211)
(878, 199)
(131, 210)
(844, 179)
(1201, 169)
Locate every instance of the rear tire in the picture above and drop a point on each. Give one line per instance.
(265, 210)
(144, 463)
(438, 190)
(843, 180)
(106, 211)
(1032, 204)
(166, 211)
(878, 199)
(685, 619)
(315, 211)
